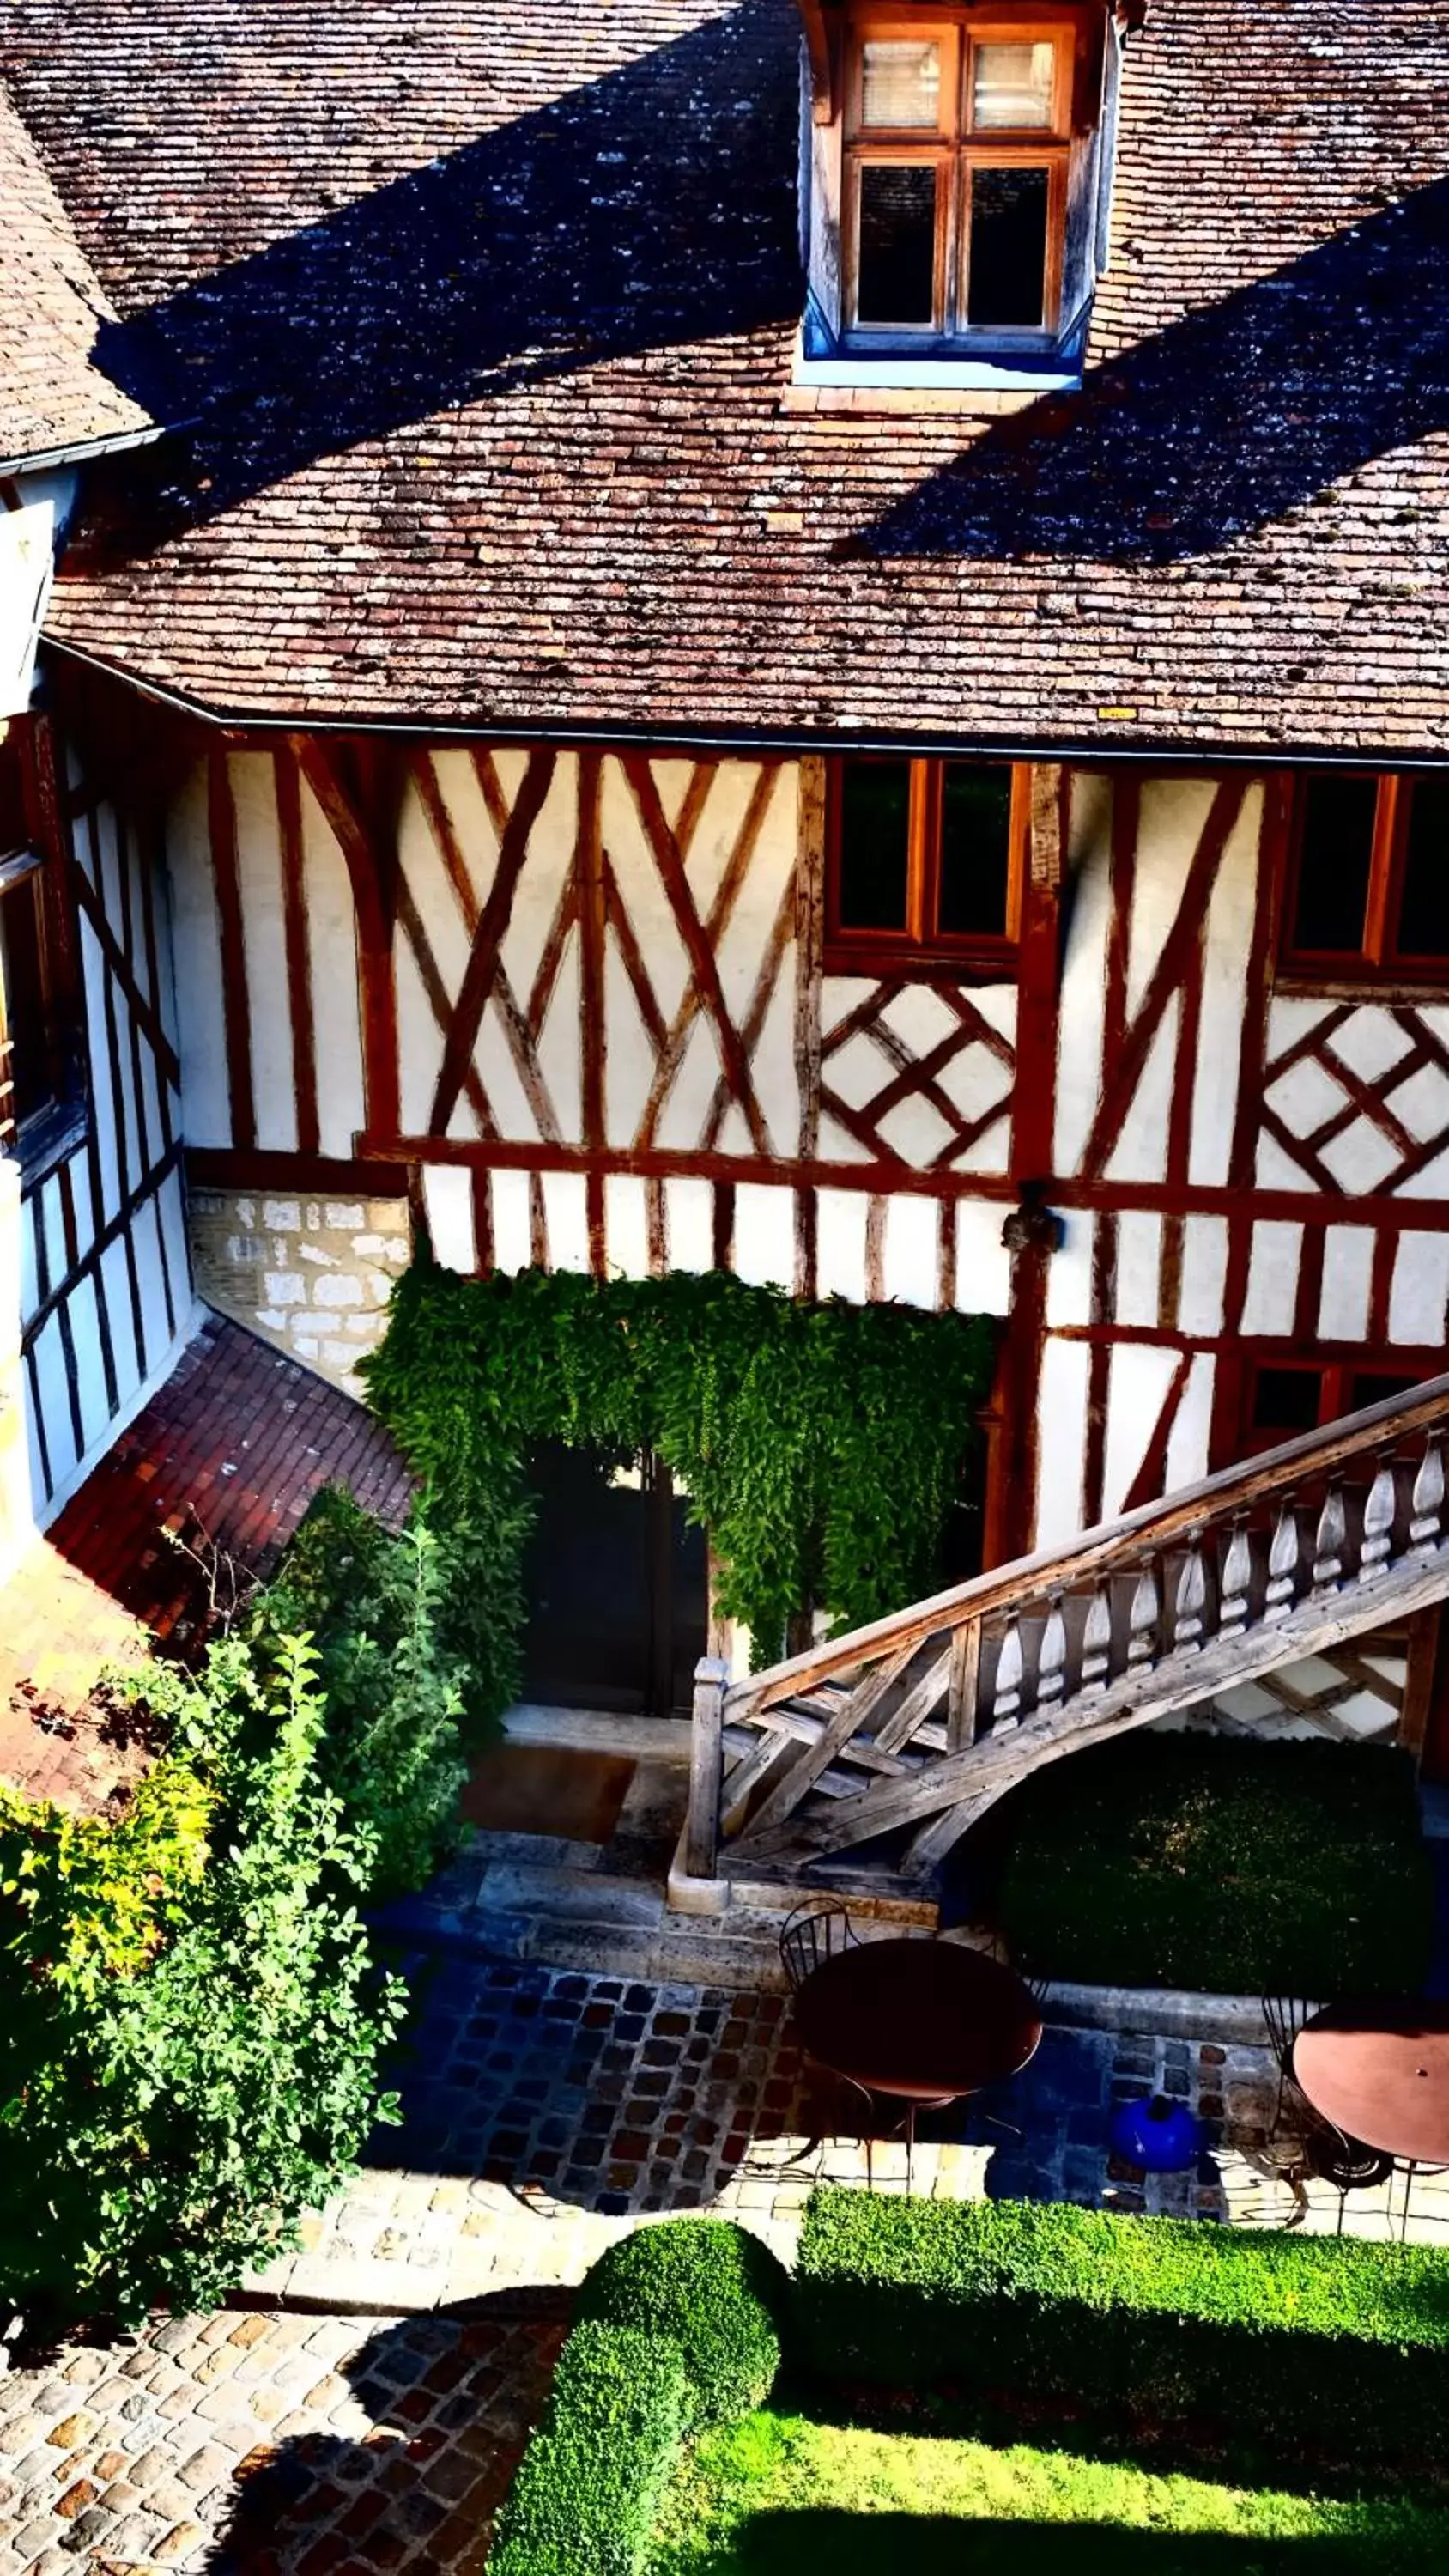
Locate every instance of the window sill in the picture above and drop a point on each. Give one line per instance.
(1346, 983)
(881, 961)
(49, 1140)
(858, 382)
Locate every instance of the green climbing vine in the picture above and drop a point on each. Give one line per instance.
(821, 1444)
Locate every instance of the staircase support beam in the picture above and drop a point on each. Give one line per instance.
(979, 1775)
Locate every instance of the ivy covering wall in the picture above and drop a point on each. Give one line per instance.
(822, 1445)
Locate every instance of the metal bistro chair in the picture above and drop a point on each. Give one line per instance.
(811, 1934)
(1324, 2152)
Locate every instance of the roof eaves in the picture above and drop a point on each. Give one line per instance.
(1086, 751)
(80, 451)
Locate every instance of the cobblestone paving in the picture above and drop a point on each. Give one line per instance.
(547, 2112)
(275, 2445)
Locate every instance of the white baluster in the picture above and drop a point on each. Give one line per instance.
(1052, 1658)
(1097, 1640)
(1283, 1564)
(1378, 1521)
(1006, 1705)
(1237, 1579)
(1191, 1599)
(1428, 1501)
(1144, 1619)
(1330, 1541)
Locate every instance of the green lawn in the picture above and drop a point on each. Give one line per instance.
(1216, 1864)
(784, 2495)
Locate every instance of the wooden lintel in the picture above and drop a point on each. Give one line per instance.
(823, 51)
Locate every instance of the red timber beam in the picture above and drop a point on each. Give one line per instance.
(359, 788)
(1011, 1510)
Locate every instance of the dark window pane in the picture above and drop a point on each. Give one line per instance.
(875, 804)
(1007, 284)
(22, 973)
(975, 849)
(1424, 912)
(14, 827)
(1286, 1400)
(897, 265)
(1333, 866)
(1375, 1386)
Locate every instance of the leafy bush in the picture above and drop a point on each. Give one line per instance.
(1210, 1862)
(382, 1609)
(585, 2496)
(716, 2290)
(822, 1444)
(188, 2057)
(101, 1891)
(1339, 2345)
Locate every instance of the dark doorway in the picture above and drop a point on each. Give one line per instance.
(616, 1583)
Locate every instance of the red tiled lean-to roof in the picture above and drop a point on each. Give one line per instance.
(226, 1456)
(51, 395)
(484, 315)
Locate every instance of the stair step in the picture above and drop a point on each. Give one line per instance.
(569, 1895)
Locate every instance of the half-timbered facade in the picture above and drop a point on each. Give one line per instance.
(629, 760)
(95, 1296)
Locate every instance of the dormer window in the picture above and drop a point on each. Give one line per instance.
(957, 143)
(957, 189)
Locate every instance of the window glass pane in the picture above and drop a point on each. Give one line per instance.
(1333, 864)
(1286, 1400)
(896, 279)
(1375, 1386)
(900, 83)
(875, 808)
(14, 828)
(975, 848)
(1424, 911)
(1007, 279)
(1011, 85)
(22, 972)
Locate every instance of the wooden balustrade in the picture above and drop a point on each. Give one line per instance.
(925, 1718)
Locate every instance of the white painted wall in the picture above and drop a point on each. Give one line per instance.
(104, 1298)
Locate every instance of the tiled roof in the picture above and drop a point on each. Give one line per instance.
(226, 1457)
(52, 395)
(487, 311)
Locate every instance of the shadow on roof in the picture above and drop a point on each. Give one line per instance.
(654, 207)
(1225, 422)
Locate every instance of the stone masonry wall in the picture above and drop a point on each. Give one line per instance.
(312, 1275)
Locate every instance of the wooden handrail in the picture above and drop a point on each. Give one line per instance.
(1030, 1579)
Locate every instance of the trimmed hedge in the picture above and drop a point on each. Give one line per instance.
(587, 2490)
(1337, 2344)
(715, 2290)
(676, 2329)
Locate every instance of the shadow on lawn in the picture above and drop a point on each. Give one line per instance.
(867, 2544)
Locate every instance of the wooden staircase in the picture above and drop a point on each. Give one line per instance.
(869, 1756)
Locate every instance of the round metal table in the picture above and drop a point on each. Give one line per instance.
(920, 2021)
(1378, 2070)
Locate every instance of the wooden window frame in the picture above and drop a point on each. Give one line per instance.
(955, 149)
(1379, 964)
(1335, 1367)
(920, 949)
(28, 867)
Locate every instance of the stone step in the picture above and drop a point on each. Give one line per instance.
(570, 1895)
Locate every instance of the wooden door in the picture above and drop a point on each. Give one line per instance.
(616, 1585)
